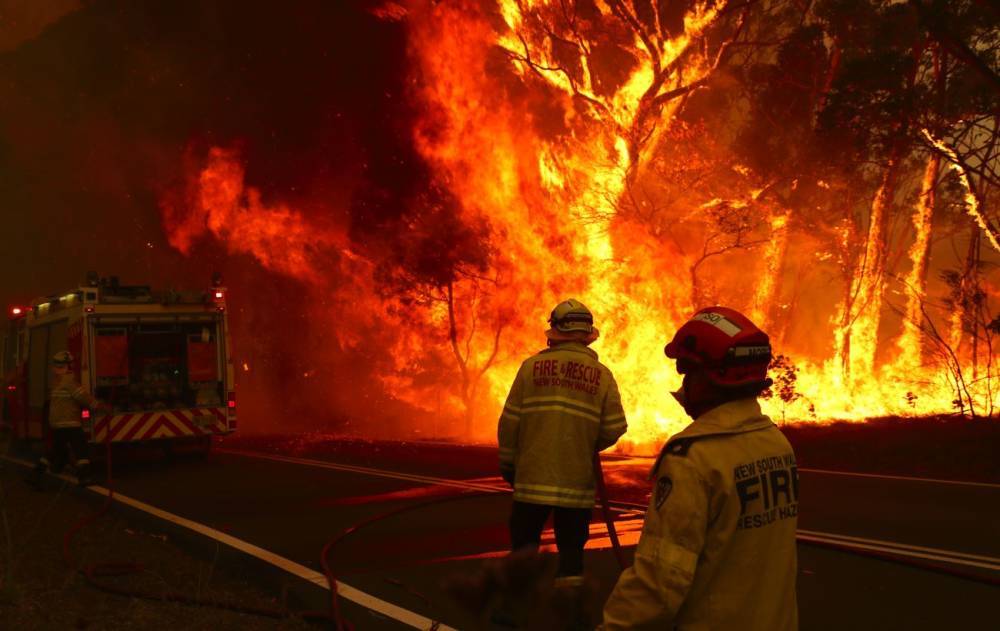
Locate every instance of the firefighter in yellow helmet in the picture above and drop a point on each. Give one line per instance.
(563, 407)
(717, 550)
(67, 399)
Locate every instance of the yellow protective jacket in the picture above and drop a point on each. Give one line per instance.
(66, 401)
(717, 550)
(563, 407)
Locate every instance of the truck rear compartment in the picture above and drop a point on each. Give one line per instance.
(157, 366)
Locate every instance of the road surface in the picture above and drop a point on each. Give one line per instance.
(293, 504)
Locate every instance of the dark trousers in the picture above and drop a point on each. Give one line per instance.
(65, 439)
(572, 526)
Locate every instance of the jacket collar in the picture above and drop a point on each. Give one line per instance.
(734, 417)
(576, 347)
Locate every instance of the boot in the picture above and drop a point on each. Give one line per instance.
(521, 579)
(503, 590)
(570, 602)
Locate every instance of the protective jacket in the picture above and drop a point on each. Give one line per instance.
(717, 550)
(66, 401)
(563, 407)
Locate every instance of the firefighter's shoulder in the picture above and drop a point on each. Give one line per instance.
(703, 454)
(679, 447)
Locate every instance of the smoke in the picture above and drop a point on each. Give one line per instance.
(22, 20)
(136, 139)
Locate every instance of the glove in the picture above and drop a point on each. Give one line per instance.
(508, 476)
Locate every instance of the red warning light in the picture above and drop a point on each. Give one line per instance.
(84, 414)
(219, 295)
(16, 311)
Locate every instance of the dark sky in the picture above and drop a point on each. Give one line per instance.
(99, 108)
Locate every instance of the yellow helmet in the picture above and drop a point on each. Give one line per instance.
(572, 316)
(62, 358)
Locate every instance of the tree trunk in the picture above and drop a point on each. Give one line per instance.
(911, 342)
(862, 313)
(695, 295)
(769, 288)
(963, 338)
(842, 335)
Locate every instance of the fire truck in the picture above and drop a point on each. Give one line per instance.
(161, 360)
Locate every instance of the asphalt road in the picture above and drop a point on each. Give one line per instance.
(292, 505)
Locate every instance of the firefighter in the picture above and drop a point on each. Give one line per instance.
(563, 408)
(717, 550)
(67, 399)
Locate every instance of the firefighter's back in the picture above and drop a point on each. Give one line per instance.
(567, 393)
(745, 578)
(64, 410)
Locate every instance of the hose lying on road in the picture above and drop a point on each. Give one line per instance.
(324, 559)
(93, 572)
(343, 625)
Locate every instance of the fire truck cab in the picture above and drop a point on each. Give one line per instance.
(162, 360)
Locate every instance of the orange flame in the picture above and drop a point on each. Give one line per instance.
(547, 154)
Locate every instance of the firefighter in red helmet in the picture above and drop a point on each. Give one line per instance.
(717, 549)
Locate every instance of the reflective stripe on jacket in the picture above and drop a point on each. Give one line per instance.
(563, 407)
(66, 401)
(717, 550)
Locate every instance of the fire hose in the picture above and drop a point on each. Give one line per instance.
(609, 520)
(335, 613)
(93, 572)
(341, 623)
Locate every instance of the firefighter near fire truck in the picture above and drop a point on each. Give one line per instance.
(563, 407)
(717, 550)
(161, 360)
(67, 442)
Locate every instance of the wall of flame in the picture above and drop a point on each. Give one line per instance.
(542, 183)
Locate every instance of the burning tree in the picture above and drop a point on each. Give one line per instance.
(803, 161)
(626, 65)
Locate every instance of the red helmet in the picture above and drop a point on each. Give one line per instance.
(725, 344)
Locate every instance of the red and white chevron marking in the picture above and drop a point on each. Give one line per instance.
(160, 424)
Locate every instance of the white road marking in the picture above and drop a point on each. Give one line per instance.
(904, 546)
(891, 547)
(902, 477)
(614, 460)
(898, 551)
(353, 594)
(382, 473)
